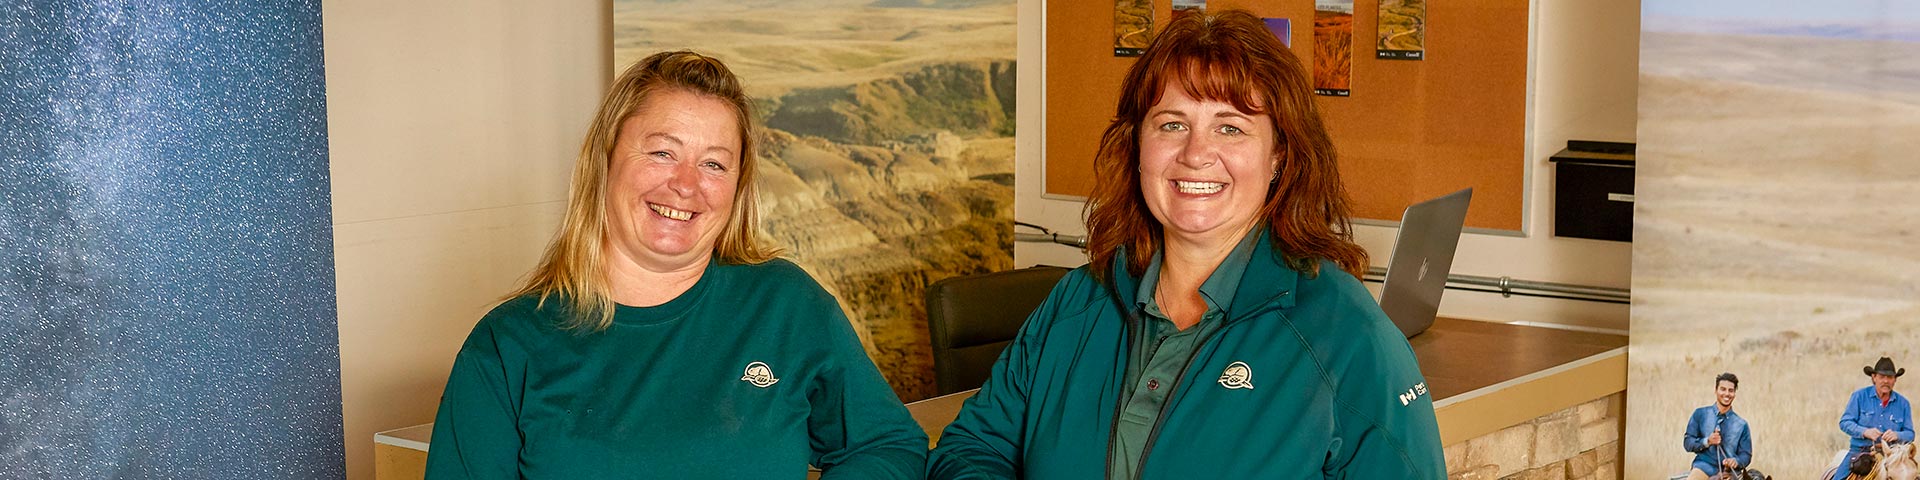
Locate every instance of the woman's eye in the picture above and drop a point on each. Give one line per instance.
(1173, 127)
(660, 155)
(1230, 130)
(714, 166)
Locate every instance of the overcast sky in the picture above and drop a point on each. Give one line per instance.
(1810, 11)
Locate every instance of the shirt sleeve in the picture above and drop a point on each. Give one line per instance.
(476, 433)
(1743, 450)
(1385, 427)
(1906, 423)
(858, 428)
(984, 441)
(1850, 419)
(1692, 440)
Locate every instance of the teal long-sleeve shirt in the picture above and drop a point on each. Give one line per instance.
(754, 372)
(1306, 379)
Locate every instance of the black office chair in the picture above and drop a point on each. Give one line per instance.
(971, 319)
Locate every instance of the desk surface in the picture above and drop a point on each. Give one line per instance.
(1460, 356)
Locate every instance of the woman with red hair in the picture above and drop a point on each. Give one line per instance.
(1220, 330)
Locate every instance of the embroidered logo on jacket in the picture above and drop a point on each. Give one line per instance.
(1412, 393)
(759, 375)
(1237, 376)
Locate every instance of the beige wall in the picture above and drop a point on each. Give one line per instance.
(452, 126)
(1584, 68)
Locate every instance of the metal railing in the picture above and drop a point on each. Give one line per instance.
(1509, 286)
(1068, 240)
(1505, 286)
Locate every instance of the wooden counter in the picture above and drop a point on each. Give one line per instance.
(1486, 376)
(402, 453)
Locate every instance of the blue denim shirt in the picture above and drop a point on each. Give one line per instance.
(1736, 441)
(1864, 411)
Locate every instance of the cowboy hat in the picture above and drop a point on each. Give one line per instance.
(1883, 367)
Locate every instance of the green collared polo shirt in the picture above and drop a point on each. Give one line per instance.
(1161, 352)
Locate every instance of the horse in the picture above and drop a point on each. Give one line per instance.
(1890, 462)
(1741, 474)
(1897, 462)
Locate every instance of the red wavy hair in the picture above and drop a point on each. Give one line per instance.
(1226, 56)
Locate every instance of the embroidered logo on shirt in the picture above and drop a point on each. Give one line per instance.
(759, 375)
(1237, 376)
(1413, 392)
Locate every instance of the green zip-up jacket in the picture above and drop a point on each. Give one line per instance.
(1307, 379)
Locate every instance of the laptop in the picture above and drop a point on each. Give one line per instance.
(1422, 258)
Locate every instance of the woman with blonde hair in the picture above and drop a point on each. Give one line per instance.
(1219, 330)
(658, 338)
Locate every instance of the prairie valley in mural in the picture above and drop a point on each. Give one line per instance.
(887, 147)
(1774, 233)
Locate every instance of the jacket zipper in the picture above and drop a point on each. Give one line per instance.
(1119, 401)
(1140, 470)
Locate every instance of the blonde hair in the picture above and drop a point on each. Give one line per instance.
(574, 267)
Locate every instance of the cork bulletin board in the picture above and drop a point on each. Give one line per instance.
(1411, 130)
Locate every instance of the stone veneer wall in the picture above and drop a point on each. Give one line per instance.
(1579, 443)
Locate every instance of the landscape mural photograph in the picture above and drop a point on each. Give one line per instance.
(1774, 228)
(886, 140)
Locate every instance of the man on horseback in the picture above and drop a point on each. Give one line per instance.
(1876, 414)
(1718, 437)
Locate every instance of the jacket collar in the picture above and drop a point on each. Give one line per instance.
(1268, 279)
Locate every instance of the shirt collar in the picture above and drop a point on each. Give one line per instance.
(1219, 288)
(1267, 280)
(1874, 397)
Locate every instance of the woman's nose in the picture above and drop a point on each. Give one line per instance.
(1198, 152)
(685, 179)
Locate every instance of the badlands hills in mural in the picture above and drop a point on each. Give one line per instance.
(1775, 237)
(888, 147)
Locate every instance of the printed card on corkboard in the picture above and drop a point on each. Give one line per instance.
(1281, 28)
(1333, 47)
(1132, 27)
(1183, 7)
(1402, 30)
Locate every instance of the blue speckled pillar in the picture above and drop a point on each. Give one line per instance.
(166, 257)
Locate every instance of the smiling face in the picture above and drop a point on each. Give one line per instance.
(1205, 166)
(673, 173)
(1724, 391)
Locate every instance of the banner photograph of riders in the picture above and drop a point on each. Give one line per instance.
(1776, 283)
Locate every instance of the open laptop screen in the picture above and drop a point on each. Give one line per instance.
(1422, 258)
